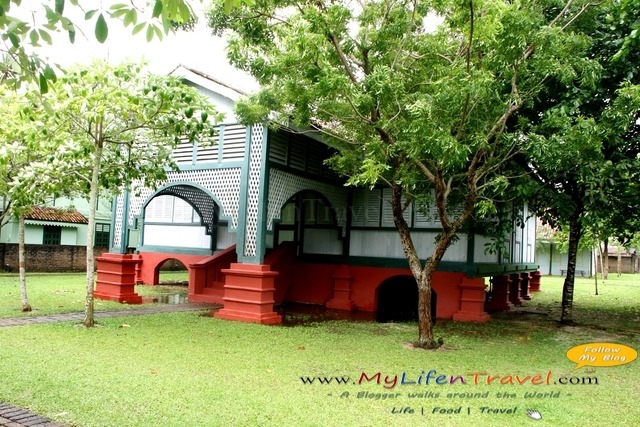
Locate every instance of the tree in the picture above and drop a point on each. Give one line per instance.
(155, 17)
(26, 139)
(118, 125)
(419, 110)
(592, 180)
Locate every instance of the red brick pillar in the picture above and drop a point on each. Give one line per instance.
(524, 286)
(116, 278)
(472, 301)
(248, 294)
(514, 290)
(500, 294)
(341, 290)
(534, 281)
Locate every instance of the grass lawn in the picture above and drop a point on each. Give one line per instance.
(189, 369)
(51, 293)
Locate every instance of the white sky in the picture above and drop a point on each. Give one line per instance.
(198, 49)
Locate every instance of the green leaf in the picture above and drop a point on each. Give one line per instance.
(49, 74)
(138, 28)
(59, 6)
(47, 107)
(158, 32)
(15, 41)
(157, 9)
(44, 86)
(131, 17)
(45, 36)
(50, 14)
(72, 36)
(119, 6)
(149, 33)
(34, 37)
(102, 30)
(90, 14)
(67, 24)
(119, 13)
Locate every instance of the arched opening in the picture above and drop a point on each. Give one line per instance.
(397, 300)
(173, 272)
(180, 216)
(173, 281)
(308, 219)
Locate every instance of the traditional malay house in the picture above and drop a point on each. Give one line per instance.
(260, 221)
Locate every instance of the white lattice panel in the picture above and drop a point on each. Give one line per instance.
(253, 190)
(117, 227)
(283, 185)
(223, 183)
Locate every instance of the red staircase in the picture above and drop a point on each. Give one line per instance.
(206, 279)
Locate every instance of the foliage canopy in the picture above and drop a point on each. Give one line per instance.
(418, 107)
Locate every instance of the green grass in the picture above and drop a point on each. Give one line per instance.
(63, 293)
(171, 276)
(186, 369)
(616, 308)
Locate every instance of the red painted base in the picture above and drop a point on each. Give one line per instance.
(116, 277)
(124, 298)
(472, 301)
(248, 294)
(524, 287)
(514, 289)
(534, 282)
(499, 294)
(341, 290)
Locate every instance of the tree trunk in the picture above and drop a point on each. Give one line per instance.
(425, 323)
(619, 264)
(89, 320)
(22, 266)
(595, 276)
(575, 232)
(605, 260)
(422, 276)
(425, 316)
(600, 264)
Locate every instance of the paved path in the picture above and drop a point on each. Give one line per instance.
(54, 318)
(11, 416)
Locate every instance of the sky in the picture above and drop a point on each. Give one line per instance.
(198, 49)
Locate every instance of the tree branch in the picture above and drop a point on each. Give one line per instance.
(343, 58)
(425, 171)
(403, 229)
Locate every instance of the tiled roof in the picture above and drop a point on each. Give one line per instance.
(40, 213)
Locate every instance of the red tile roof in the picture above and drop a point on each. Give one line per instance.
(40, 213)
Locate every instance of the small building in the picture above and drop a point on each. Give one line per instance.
(260, 221)
(55, 236)
(626, 257)
(553, 261)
